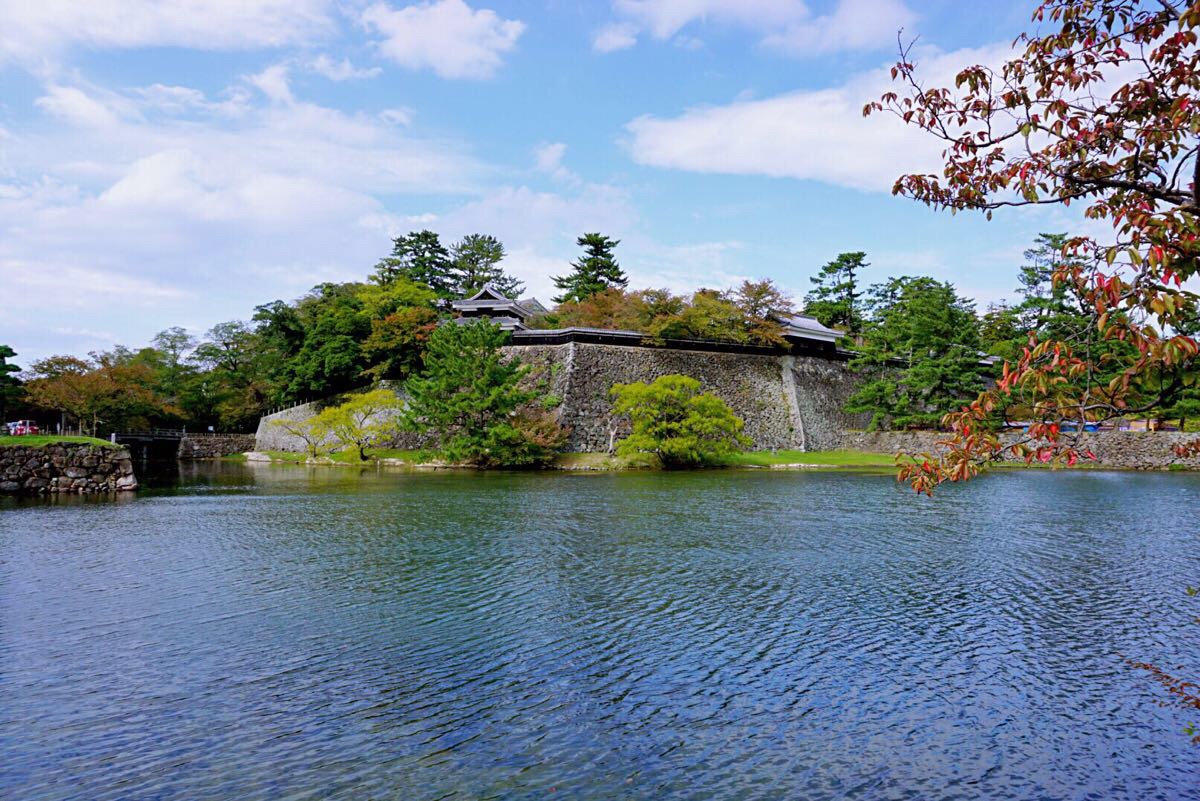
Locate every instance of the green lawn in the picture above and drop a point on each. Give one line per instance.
(41, 440)
(841, 458)
(348, 457)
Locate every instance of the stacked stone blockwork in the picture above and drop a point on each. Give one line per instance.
(68, 467)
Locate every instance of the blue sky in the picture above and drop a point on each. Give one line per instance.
(175, 162)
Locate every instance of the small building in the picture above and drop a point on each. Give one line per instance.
(807, 335)
(803, 334)
(489, 303)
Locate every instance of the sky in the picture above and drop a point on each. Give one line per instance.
(178, 162)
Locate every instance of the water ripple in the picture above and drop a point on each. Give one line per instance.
(320, 634)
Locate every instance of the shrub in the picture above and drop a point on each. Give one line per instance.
(678, 423)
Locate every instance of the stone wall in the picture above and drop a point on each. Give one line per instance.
(1127, 450)
(787, 401)
(214, 446)
(69, 467)
(270, 437)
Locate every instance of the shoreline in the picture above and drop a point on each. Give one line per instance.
(853, 462)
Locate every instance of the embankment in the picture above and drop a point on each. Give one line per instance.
(65, 467)
(1124, 450)
(214, 446)
(789, 402)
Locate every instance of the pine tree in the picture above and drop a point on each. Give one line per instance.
(10, 385)
(419, 257)
(921, 347)
(595, 272)
(477, 262)
(835, 300)
(474, 399)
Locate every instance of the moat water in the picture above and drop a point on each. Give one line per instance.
(313, 633)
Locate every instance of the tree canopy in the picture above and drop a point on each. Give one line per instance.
(595, 271)
(477, 402)
(746, 314)
(920, 354)
(835, 299)
(673, 420)
(1098, 108)
(10, 385)
(477, 262)
(421, 258)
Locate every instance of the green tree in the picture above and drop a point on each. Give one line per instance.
(1098, 107)
(1054, 311)
(709, 315)
(596, 271)
(419, 257)
(10, 386)
(235, 383)
(1186, 407)
(921, 351)
(331, 359)
(402, 318)
(477, 260)
(472, 397)
(309, 430)
(760, 302)
(672, 419)
(1001, 332)
(835, 299)
(362, 421)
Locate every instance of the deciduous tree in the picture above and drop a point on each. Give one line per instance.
(1099, 108)
(364, 420)
(760, 303)
(672, 419)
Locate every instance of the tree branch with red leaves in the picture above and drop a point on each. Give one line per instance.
(1102, 110)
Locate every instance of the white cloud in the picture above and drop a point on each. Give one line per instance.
(35, 31)
(156, 199)
(341, 70)
(617, 36)
(818, 135)
(786, 25)
(446, 36)
(75, 107)
(549, 157)
(665, 18)
(853, 25)
(273, 82)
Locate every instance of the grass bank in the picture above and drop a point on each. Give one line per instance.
(42, 440)
(838, 458)
(348, 458)
(846, 460)
(811, 460)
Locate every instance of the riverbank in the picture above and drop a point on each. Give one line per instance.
(34, 465)
(583, 462)
(845, 459)
(42, 440)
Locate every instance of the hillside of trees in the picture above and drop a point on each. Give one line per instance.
(343, 336)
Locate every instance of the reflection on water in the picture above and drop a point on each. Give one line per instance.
(265, 632)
